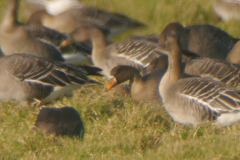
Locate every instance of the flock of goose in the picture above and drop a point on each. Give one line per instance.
(192, 71)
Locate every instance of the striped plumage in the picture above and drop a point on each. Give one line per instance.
(25, 77)
(193, 100)
(228, 73)
(137, 53)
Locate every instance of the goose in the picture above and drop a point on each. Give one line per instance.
(193, 100)
(64, 121)
(137, 53)
(15, 38)
(28, 79)
(68, 20)
(143, 89)
(227, 9)
(204, 39)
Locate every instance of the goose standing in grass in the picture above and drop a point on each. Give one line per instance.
(68, 20)
(193, 100)
(64, 121)
(142, 89)
(204, 39)
(227, 9)
(137, 53)
(26, 78)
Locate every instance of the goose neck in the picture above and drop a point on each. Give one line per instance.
(99, 42)
(10, 17)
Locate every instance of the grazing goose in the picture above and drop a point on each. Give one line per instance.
(26, 78)
(64, 121)
(137, 53)
(16, 38)
(68, 20)
(204, 39)
(193, 100)
(227, 9)
(142, 89)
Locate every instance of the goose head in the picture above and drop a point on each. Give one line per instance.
(177, 29)
(122, 73)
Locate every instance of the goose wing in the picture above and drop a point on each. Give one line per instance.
(221, 70)
(51, 35)
(208, 94)
(141, 52)
(30, 68)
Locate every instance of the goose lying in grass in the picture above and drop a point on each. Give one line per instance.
(193, 100)
(26, 78)
(204, 39)
(64, 121)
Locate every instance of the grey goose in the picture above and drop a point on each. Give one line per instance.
(143, 89)
(204, 39)
(64, 121)
(227, 9)
(193, 100)
(69, 19)
(26, 78)
(133, 52)
(16, 37)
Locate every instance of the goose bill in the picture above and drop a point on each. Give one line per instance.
(64, 43)
(111, 84)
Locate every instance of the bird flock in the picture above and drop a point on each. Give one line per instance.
(192, 71)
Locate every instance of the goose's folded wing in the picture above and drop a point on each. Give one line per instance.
(55, 37)
(228, 73)
(139, 51)
(27, 67)
(214, 95)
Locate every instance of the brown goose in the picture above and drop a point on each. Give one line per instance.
(137, 53)
(68, 20)
(227, 9)
(142, 89)
(193, 100)
(64, 121)
(26, 78)
(204, 39)
(19, 38)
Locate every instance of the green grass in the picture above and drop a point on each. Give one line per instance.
(116, 128)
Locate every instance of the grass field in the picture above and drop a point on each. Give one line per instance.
(116, 128)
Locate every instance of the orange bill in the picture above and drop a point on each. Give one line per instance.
(111, 84)
(64, 43)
